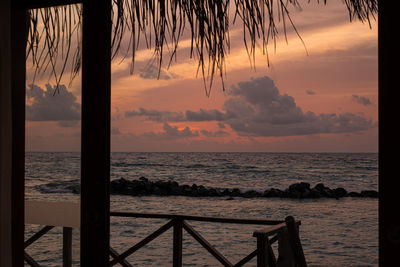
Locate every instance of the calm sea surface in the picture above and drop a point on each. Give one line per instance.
(334, 232)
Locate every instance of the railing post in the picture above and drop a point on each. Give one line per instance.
(265, 255)
(177, 245)
(294, 239)
(67, 246)
(262, 258)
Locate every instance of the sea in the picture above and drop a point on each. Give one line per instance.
(333, 232)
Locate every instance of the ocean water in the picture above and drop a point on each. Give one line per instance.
(341, 232)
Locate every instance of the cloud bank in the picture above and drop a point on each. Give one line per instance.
(256, 108)
(361, 100)
(52, 105)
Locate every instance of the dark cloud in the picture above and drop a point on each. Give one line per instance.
(68, 123)
(52, 105)
(151, 71)
(172, 132)
(260, 110)
(361, 100)
(257, 108)
(221, 125)
(310, 92)
(115, 131)
(214, 134)
(205, 115)
(156, 115)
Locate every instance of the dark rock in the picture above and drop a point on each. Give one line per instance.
(160, 191)
(194, 186)
(186, 190)
(144, 186)
(369, 193)
(251, 194)
(353, 194)
(320, 187)
(202, 191)
(236, 192)
(314, 193)
(75, 188)
(212, 192)
(339, 192)
(176, 190)
(226, 192)
(273, 192)
(299, 190)
(324, 191)
(299, 187)
(144, 179)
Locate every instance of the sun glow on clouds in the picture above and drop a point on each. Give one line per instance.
(316, 42)
(323, 98)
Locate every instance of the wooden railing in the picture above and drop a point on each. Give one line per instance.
(52, 214)
(66, 251)
(286, 233)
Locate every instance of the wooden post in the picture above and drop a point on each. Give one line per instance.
(18, 50)
(285, 251)
(95, 142)
(67, 246)
(177, 245)
(5, 134)
(294, 239)
(389, 143)
(262, 251)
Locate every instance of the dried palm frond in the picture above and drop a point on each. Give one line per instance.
(161, 23)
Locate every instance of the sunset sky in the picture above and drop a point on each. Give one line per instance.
(319, 98)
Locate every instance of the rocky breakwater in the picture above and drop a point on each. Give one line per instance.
(302, 190)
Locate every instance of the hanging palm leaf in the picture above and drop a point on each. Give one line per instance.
(161, 24)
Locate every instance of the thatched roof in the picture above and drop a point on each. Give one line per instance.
(161, 24)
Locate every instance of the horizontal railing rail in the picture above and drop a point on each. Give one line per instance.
(195, 218)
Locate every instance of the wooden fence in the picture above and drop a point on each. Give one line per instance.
(290, 252)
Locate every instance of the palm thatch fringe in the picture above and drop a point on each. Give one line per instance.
(161, 23)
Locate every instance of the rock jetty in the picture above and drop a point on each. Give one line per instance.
(302, 190)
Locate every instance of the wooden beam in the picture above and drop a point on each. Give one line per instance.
(142, 243)
(38, 235)
(31, 4)
(31, 262)
(195, 218)
(213, 251)
(5, 134)
(18, 77)
(114, 254)
(246, 259)
(95, 142)
(389, 142)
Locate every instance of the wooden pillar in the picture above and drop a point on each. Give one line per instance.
(5, 133)
(95, 146)
(389, 143)
(18, 44)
